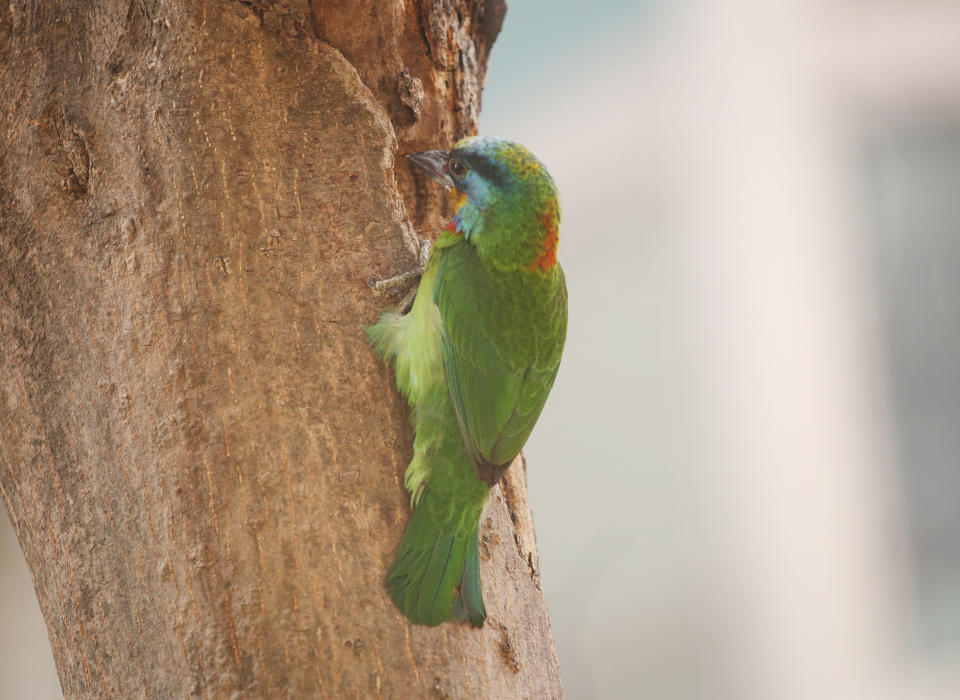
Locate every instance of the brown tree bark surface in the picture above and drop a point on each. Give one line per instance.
(200, 454)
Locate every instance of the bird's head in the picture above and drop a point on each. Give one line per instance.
(505, 202)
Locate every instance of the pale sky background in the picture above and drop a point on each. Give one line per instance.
(608, 463)
(745, 481)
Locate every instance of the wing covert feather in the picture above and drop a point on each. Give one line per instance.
(498, 386)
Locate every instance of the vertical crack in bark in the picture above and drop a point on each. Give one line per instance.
(524, 536)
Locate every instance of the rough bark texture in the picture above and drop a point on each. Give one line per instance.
(200, 454)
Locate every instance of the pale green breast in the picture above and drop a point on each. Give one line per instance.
(419, 362)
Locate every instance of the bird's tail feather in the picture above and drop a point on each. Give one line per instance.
(431, 562)
(469, 602)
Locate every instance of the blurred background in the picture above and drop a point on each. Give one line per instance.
(747, 480)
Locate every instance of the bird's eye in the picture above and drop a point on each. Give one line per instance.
(457, 168)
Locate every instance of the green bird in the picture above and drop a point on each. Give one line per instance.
(475, 358)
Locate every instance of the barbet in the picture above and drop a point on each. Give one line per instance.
(475, 358)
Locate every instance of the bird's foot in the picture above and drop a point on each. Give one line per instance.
(396, 280)
(401, 279)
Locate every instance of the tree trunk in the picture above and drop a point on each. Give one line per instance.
(201, 455)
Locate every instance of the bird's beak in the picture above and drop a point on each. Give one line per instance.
(434, 164)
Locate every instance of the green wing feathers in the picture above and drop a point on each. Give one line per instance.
(499, 372)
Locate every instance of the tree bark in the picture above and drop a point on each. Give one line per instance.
(200, 454)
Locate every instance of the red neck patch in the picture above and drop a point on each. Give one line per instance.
(548, 252)
(453, 228)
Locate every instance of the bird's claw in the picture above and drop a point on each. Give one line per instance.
(401, 279)
(396, 280)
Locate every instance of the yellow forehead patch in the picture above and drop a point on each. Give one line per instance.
(522, 163)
